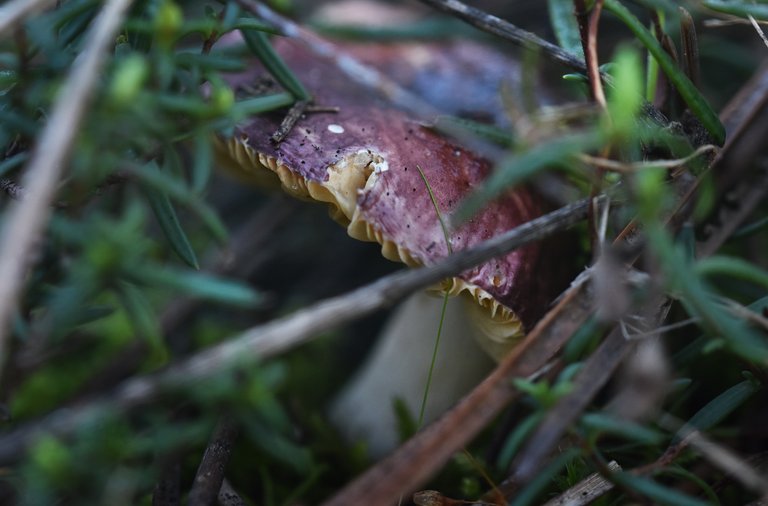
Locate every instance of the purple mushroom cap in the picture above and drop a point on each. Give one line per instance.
(364, 162)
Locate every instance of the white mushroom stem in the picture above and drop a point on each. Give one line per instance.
(398, 366)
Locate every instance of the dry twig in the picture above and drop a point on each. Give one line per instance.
(507, 31)
(587, 490)
(210, 473)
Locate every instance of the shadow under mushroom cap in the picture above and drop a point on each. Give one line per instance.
(362, 161)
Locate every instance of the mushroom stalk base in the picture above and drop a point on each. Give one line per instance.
(398, 366)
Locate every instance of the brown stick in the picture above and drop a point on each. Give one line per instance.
(210, 473)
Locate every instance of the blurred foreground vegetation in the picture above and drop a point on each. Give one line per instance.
(150, 256)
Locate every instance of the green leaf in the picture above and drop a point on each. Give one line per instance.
(12, 162)
(177, 191)
(657, 493)
(143, 319)
(733, 268)
(625, 98)
(517, 438)
(742, 9)
(723, 405)
(169, 224)
(455, 126)
(258, 105)
(625, 428)
(197, 284)
(259, 44)
(696, 102)
(203, 161)
(564, 24)
(690, 476)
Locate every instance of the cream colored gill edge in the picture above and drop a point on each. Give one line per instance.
(345, 179)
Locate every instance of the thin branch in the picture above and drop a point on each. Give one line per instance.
(507, 31)
(718, 455)
(627, 168)
(759, 30)
(26, 219)
(281, 334)
(228, 496)
(587, 490)
(210, 474)
(16, 11)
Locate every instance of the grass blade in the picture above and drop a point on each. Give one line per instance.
(197, 284)
(733, 268)
(259, 44)
(563, 21)
(741, 9)
(657, 493)
(169, 224)
(722, 405)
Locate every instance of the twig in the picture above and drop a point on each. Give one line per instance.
(27, 218)
(625, 168)
(587, 490)
(759, 30)
(16, 10)
(297, 110)
(718, 455)
(210, 473)
(507, 31)
(281, 334)
(290, 119)
(228, 496)
(749, 195)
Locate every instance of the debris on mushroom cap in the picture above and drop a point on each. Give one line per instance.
(364, 162)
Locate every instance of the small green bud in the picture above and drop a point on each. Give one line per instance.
(626, 99)
(222, 99)
(168, 21)
(53, 458)
(128, 79)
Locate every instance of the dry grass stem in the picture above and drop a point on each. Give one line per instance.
(628, 168)
(587, 490)
(719, 456)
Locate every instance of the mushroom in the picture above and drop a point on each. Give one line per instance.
(366, 163)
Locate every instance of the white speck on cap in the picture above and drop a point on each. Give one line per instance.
(336, 129)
